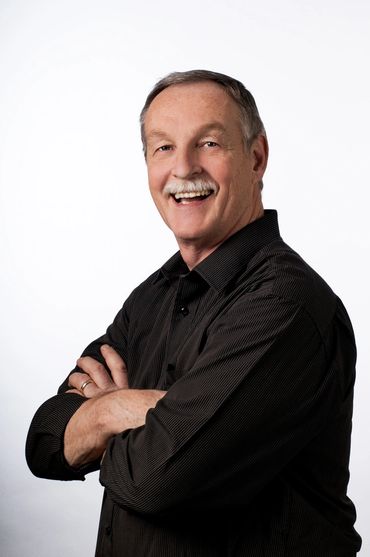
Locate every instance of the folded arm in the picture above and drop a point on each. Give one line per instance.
(69, 432)
(112, 408)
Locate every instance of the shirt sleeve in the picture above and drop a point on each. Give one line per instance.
(45, 440)
(261, 389)
(45, 446)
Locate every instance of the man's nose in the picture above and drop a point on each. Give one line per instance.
(186, 163)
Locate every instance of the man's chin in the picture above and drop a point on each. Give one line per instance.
(188, 230)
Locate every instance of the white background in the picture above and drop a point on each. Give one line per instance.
(76, 217)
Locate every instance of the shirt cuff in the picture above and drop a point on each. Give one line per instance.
(45, 441)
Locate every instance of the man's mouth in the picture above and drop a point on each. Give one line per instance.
(187, 192)
(188, 197)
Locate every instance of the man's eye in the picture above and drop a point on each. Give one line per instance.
(210, 144)
(163, 148)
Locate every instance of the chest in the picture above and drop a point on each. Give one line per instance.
(164, 345)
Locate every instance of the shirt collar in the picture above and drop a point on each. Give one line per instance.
(222, 265)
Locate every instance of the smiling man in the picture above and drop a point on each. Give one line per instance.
(208, 157)
(218, 404)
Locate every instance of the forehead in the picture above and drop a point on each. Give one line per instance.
(192, 105)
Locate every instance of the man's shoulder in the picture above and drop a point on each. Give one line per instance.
(291, 271)
(290, 278)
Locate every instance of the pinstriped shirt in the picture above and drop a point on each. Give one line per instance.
(247, 454)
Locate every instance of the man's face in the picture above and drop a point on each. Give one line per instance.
(195, 142)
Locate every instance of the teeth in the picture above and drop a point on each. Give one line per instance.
(201, 193)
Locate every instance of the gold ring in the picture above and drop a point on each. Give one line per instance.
(85, 383)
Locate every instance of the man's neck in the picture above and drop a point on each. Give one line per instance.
(193, 255)
(194, 252)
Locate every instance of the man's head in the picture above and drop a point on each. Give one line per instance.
(206, 152)
(250, 121)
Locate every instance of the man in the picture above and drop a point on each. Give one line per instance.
(218, 404)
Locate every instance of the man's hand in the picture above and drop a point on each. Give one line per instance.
(94, 379)
(112, 407)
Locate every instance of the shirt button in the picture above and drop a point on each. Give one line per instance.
(184, 310)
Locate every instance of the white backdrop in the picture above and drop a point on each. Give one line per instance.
(75, 214)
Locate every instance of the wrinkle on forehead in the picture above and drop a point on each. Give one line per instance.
(201, 131)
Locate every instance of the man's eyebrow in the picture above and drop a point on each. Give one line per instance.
(213, 126)
(157, 134)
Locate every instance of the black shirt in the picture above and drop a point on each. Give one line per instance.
(247, 454)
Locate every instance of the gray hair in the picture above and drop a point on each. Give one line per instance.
(251, 123)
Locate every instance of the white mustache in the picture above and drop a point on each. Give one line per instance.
(189, 186)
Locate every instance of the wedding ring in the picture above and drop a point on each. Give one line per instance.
(85, 383)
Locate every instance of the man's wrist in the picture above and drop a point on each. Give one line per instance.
(84, 438)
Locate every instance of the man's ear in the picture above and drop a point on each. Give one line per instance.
(260, 152)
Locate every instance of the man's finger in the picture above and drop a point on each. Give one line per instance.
(116, 365)
(84, 384)
(96, 371)
(74, 391)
